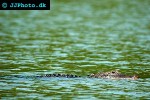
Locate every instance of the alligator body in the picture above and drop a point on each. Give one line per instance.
(106, 75)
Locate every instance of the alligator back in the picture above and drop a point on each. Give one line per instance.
(59, 75)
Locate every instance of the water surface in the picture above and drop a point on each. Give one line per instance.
(79, 38)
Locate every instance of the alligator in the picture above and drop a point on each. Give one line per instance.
(114, 74)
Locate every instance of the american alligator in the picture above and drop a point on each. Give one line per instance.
(115, 74)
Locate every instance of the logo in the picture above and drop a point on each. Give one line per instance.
(4, 5)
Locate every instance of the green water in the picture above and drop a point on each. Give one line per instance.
(76, 37)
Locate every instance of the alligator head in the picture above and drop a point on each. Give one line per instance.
(115, 74)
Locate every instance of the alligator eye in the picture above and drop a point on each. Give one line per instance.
(113, 72)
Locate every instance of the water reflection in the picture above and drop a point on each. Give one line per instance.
(75, 88)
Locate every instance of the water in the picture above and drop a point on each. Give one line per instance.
(79, 38)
